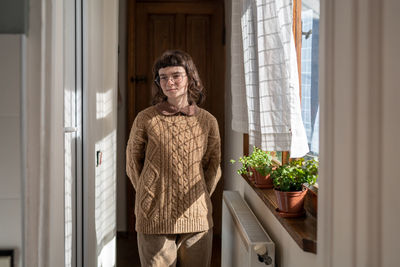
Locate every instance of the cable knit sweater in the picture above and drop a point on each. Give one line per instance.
(173, 161)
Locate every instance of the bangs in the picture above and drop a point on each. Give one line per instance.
(170, 60)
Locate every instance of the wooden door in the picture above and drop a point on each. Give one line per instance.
(195, 27)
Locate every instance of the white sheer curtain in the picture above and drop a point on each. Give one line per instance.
(42, 127)
(239, 101)
(265, 85)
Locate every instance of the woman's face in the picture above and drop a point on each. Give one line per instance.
(173, 82)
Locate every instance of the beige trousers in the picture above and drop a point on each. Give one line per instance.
(182, 250)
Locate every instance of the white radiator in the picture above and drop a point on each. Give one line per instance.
(244, 241)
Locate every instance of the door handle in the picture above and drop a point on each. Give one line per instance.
(70, 129)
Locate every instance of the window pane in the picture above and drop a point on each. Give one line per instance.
(309, 72)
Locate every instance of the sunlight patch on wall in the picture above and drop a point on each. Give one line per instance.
(104, 104)
(105, 199)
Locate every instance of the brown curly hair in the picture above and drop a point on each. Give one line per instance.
(172, 58)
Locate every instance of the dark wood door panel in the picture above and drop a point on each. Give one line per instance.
(198, 46)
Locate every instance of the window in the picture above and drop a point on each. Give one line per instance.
(306, 32)
(309, 72)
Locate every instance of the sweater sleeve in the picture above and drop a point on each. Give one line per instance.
(135, 150)
(212, 158)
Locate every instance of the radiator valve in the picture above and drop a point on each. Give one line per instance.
(262, 254)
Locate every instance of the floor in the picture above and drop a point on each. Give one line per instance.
(127, 254)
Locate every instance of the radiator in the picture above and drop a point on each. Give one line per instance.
(244, 241)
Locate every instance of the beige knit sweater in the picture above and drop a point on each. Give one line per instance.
(173, 162)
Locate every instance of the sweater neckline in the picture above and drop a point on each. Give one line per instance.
(167, 109)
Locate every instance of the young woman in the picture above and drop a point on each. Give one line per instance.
(173, 161)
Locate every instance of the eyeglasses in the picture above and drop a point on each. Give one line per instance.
(177, 78)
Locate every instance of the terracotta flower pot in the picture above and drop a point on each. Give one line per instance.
(291, 204)
(262, 181)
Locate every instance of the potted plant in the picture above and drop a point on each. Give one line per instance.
(262, 163)
(246, 168)
(258, 167)
(288, 181)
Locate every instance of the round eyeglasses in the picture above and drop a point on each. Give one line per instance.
(177, 78)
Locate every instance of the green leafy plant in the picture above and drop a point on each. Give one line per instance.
(292, 176)
(245, 169)
(260, 160)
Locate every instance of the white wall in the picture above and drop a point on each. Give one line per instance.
(359, 212)
(391, 135)
(100, 39)
(233, 140)
(10, 142)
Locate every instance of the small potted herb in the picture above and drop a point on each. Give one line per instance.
(258, 167)
(263, 165)
(246, 168)
(288, 181)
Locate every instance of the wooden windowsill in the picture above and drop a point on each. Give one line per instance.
(303, 230)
